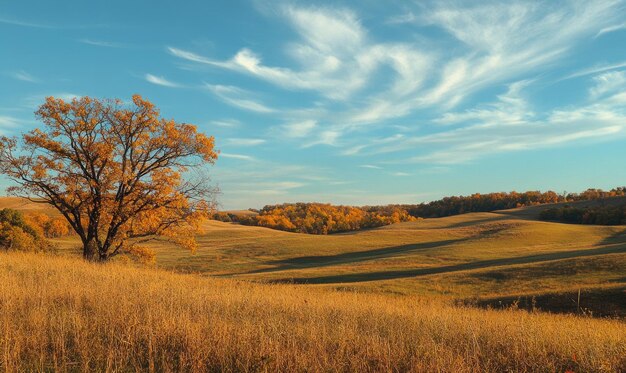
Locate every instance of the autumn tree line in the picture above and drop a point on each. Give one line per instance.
(600, 215)
(319, 218)
(477, 202)
(323, 218)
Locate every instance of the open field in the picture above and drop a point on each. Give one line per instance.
(490, 259)
(64, 314)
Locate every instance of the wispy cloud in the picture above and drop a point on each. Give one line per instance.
(327, 137)
(490, 131)
(24, 76)
(237, 156)
(102, 43)
(363, 84)
(238, 97)
(334, 56)
(159, 80)
(370, 166)
(8, 122)
(46, 25)
(606, 30)
(17, 22)
(244, 141)
(226, 123)
(607, 83)
(33, 101)
(596, 70)
(298, 129)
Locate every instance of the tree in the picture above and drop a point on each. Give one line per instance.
(115, 172)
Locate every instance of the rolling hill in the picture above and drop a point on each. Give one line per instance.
(491, 259)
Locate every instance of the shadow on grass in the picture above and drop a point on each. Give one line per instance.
(390, 275)
(617, 237)
(351, 257)
(598, 302)
(471, 223)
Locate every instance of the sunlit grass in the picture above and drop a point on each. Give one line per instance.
(64, 314)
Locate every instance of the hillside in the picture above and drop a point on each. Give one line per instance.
(490, 259)
(95, 317)
(533, 212)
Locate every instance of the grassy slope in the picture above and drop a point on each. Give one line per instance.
(62, 314)
(486, 257)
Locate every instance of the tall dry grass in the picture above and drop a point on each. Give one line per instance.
(59, 314)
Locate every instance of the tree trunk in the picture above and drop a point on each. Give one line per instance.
(90, 251)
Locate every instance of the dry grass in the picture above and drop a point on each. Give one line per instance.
(479, 256)
(61, 314)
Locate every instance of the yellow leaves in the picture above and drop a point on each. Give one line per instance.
(142, 254)
(318, 218)
(39, 171)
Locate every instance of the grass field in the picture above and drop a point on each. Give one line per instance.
(63, 314)
(489, 259)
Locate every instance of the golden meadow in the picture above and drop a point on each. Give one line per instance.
(63, 314)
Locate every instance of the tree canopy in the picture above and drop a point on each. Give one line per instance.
(114, 171)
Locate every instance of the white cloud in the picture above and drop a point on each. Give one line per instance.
(483, 135)
(508, 39)
(237, 156)
(244, 141)
(226, 122)
(609, 82)
(363, 83)
(354, 150)
(159, 80)
(610, 29)
(370, 166)
(8, 122)
(400, 174)
(596, 69)
(24, 76)
(334, 56)
(34, 101)
(510, 109)
(17, 22)
(298, 129)
(101, 43)
(328, 137)
(238, 97)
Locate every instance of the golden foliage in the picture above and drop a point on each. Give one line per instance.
(321, 218)
(115, 173)
(59, 314)
(50, 227)
(17, 234)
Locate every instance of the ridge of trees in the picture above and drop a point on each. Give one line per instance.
(597, 215)
(477, 202)
(319, 218)
(324, 218)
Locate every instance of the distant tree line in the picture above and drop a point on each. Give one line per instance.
(600, 215)
(319, 218)
(323, 218)
(502, 201)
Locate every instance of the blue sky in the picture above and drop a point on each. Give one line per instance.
(362, 102)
